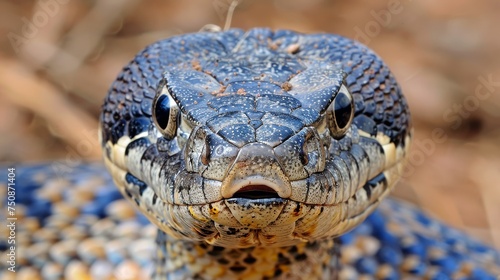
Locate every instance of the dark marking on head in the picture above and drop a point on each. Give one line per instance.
(131, 179)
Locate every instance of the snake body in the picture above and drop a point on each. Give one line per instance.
(259, 155)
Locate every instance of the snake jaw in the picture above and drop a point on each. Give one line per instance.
(256, 213)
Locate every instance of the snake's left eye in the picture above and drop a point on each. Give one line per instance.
(340, 113)
(166, 114)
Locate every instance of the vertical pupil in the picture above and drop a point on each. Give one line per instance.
(342, 109)
(162, 111)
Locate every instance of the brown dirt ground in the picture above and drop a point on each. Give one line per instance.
(54, 75)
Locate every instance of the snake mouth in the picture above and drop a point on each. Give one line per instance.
(256, 192)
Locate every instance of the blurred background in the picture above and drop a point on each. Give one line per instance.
(58, 58)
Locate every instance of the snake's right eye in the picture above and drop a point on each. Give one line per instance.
(166, 115)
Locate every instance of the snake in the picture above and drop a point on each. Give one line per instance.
(260, 154)
(255, 140)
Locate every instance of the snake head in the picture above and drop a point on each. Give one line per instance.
(252, 145)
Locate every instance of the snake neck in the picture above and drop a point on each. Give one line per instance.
(180, 259)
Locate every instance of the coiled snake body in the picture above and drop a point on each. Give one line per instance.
(255, 153)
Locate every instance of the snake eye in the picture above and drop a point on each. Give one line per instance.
(340, 113)
(166, 114)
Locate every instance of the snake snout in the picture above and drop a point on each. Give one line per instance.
(255, 174)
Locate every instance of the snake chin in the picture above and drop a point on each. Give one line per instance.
(242, 222)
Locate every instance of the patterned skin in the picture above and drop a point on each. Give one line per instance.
(257, 139)
(252, 152)
(73, 223)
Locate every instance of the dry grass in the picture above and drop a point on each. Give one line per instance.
(54, 76)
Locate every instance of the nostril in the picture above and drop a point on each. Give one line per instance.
(256, 192)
